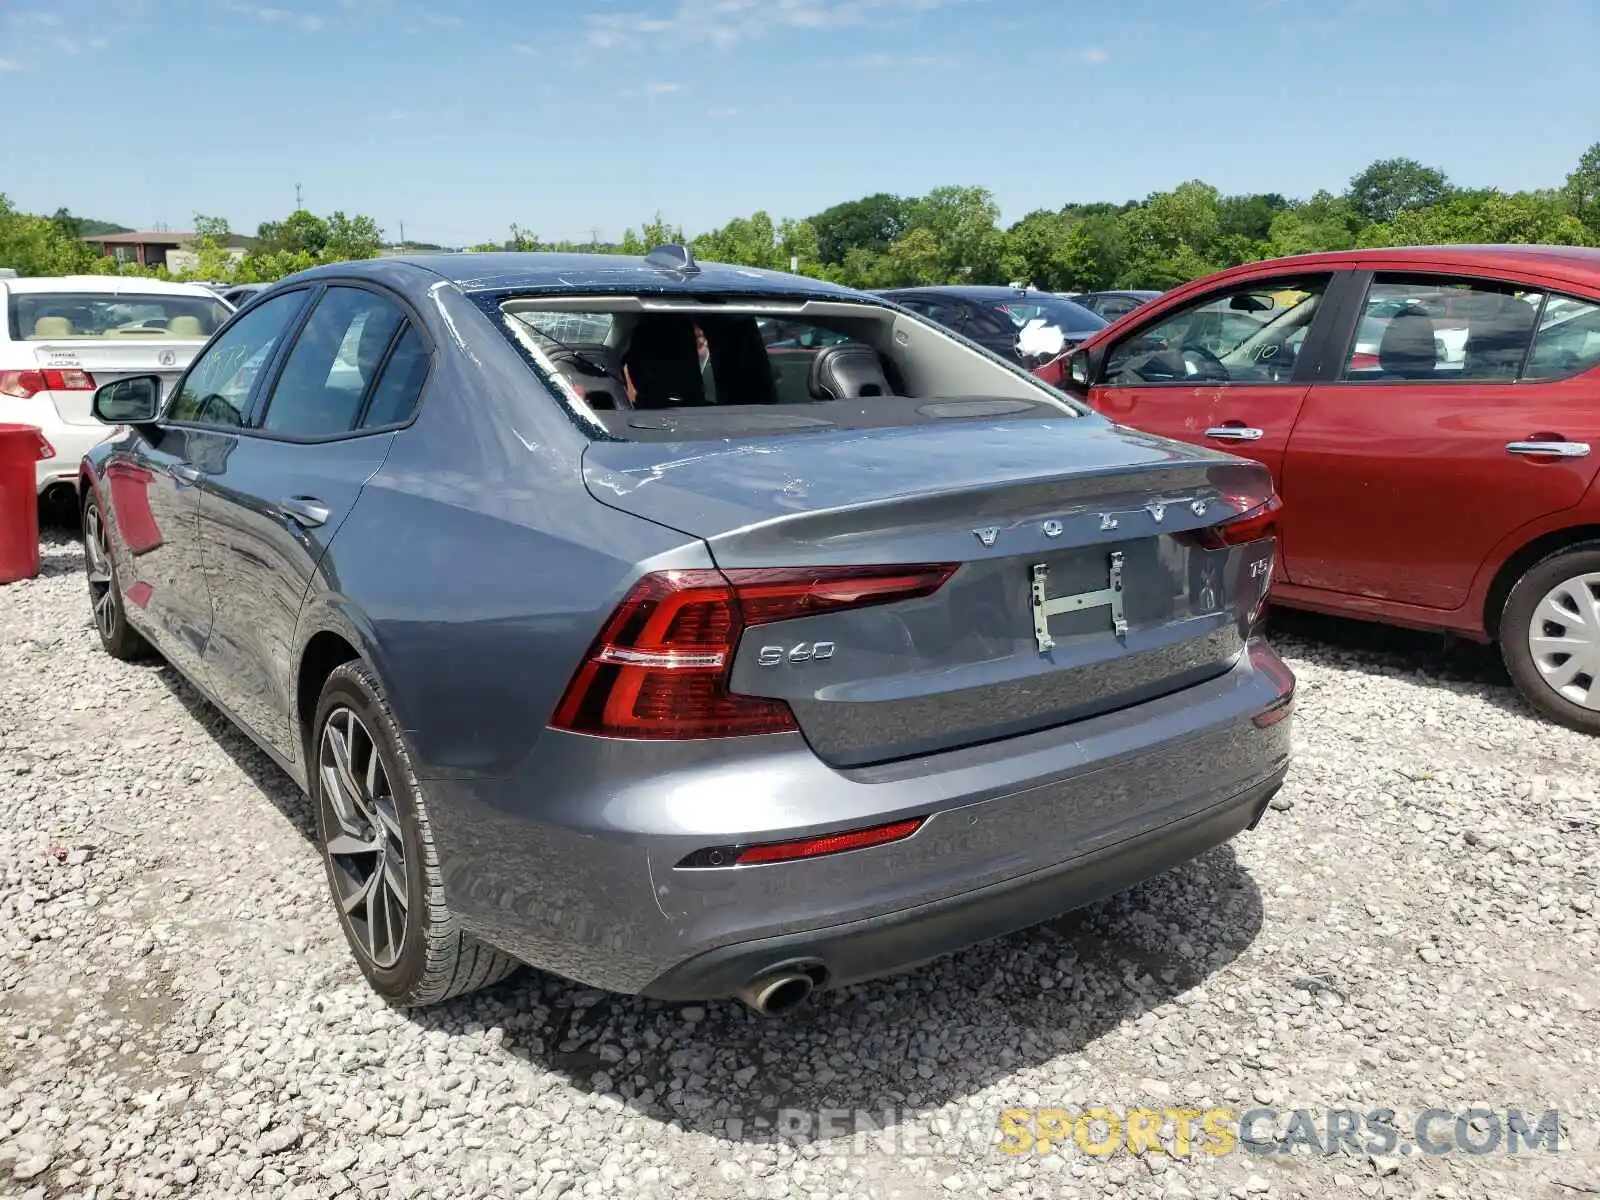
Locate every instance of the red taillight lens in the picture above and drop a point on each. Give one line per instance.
(1257, 519)
(24, 384)
(659, 668)
(855, 839)
(1265, 660)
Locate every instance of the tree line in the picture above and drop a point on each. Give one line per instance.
(954, 234)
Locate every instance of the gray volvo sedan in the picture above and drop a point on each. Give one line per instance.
(682, 629)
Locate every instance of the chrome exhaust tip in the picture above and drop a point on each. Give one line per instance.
(778, 995)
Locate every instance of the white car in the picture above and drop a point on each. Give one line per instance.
(61, 337)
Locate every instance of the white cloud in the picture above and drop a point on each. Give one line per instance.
(665, 87)
(396, 115)
(724, 22)
(36, 20)
(310, 24)
(67, 45)
(1094, 55)
(7, 65)
(524, 48)
(444, 20)
(99, 43)
(722, 113)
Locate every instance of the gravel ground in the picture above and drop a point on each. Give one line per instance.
(1414, 927)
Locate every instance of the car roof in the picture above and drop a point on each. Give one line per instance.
(133, 285)
(972, 291)
(538, 271)
(1581, 263)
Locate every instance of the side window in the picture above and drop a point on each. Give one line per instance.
(1250, 334)
(1442, 330)
(216, 390)
(335, 359)
(1115, 307)
(1567, 341)
(400, 386)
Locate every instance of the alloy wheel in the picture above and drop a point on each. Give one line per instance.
(97, 562)
(366, 851)
(1564, 639)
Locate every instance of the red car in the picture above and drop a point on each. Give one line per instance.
(1432, 419)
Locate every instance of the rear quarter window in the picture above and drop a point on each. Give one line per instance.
(68, 316)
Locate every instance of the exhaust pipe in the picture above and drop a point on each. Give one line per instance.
(778, 995)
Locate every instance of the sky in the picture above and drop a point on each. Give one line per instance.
(578, 119)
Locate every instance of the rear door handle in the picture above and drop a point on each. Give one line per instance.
(1235, 433)
(1549, 449)
(184, 473)
(306, 511)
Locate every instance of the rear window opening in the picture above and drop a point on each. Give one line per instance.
(69, 316)
(647, 368)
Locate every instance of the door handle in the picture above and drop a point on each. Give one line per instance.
(306, 511)
(184, 473)
(1549, 449)
(1235, 433)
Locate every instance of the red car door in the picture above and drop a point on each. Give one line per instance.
(1224, 370)
(1444, 434)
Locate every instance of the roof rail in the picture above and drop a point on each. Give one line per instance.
(672, 257)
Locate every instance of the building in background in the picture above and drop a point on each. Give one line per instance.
(169, 248)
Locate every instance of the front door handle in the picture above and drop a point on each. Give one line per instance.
(1549, 449)
(184, 473)
(1235, 433)
(307, 511)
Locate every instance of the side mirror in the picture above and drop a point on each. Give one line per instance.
(132, 401)
(1082, 367)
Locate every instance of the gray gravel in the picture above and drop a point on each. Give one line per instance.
(1414, 926)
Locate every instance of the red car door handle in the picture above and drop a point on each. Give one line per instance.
(1561, 449)
(1235, 433)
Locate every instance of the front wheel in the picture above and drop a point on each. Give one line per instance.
(377, 845)
(1550, 636)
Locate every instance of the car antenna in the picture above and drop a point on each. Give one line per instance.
(673, 257)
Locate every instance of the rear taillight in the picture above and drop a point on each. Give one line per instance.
(23, 384)
(1256, 519)
(1265, 660)
(660, 667)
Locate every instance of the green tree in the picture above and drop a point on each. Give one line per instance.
(1324, 222)
(35, 245)
(918, 258)
(1039, 241)
(961, 222)
(299, 232)
(1391, 186)
(871, 223)
(350, 237)
(1093, 256)
(1171, 238)
(1583, 189)
(1486, 217)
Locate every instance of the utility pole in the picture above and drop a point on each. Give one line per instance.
(297, 204)
(402, 235)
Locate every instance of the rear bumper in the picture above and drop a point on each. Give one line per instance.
(898, 941)
(571, 864)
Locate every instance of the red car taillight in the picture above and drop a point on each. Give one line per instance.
(660, 667)
(25, 384)
(1257, 519)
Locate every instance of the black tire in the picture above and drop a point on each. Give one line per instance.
(436, 959)
(106, 607)
(1516, 619)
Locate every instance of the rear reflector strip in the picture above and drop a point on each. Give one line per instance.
(1265, 660)
(817, 847)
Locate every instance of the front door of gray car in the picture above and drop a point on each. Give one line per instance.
(268, 515)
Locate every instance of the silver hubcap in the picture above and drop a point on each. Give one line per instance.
(97, 561)
(1564, 639)
(365, 849)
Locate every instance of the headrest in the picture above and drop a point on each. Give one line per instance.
(847, 372)
(1408, 348)
(186, 327)
(53, 327)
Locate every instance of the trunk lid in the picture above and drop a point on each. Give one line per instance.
(107, 360)
(1093, 521)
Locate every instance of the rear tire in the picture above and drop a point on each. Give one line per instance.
(106, 606)
(378, 849)
(1550, 636)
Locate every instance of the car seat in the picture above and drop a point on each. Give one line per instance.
(848, 371)
(1408, 349)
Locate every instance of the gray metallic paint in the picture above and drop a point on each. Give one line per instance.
(471, 566)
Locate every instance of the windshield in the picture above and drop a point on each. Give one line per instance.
(1063, 314)
(53, 316)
